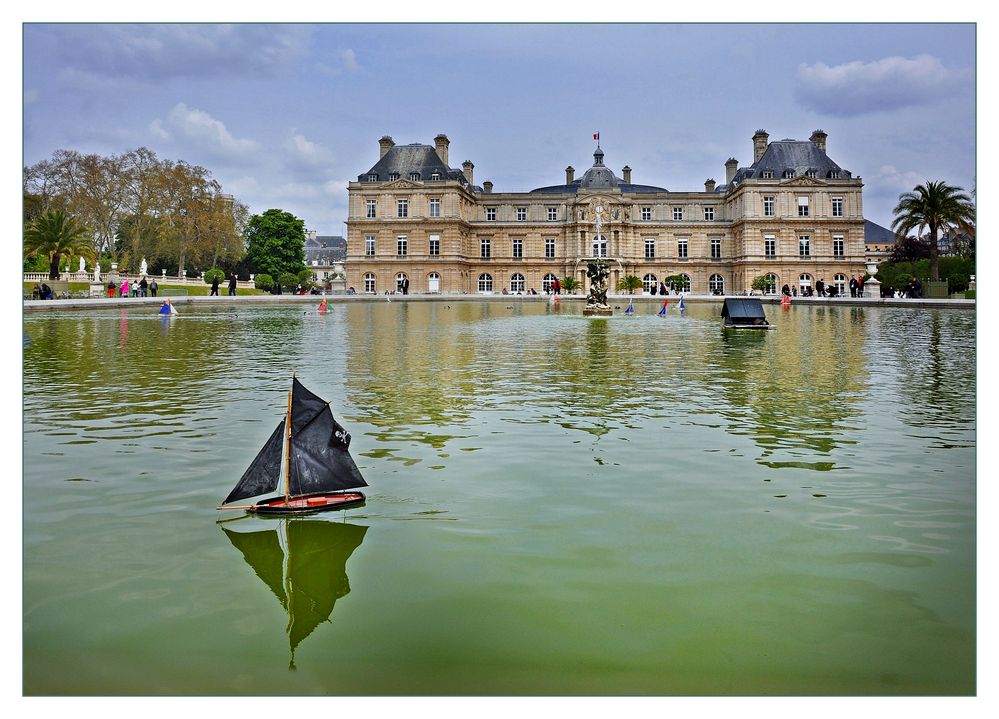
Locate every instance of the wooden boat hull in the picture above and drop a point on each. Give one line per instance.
(307, 503)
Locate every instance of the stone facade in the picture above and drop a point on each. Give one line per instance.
(793, 214)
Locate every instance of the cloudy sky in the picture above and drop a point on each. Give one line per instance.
(285, 115)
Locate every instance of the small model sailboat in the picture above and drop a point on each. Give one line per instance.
(317, 468)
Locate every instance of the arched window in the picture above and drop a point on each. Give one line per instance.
(840, 282)
(804, 282)
(517, 282)
(599, 246)
(548, 282)
(649, 283)
(369, 283)
(485, 282)
(433, 282)
(771, 286)
(716, 285)
(399, 278)
(684, 286)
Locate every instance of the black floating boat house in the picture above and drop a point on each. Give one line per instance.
(744, 312)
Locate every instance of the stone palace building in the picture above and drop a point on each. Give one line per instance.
(793, 215)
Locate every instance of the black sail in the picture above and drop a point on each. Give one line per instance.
(264, 472)
(320, 461)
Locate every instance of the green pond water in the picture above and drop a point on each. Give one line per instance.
(558, 505)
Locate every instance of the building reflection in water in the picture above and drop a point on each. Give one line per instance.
(304, 563)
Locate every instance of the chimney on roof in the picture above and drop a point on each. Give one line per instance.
(709, 185)
(731, 165)
(385, 144)
(570, 173)
(626, 174)
(467, 168)
(759, 144)
(487, 186)
(441, 143)
(818, 139)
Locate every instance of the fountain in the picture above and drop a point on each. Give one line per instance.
(597, 272)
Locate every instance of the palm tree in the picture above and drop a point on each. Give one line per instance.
(934, 206)
(629, 283)
(54, 235)
(569, 284)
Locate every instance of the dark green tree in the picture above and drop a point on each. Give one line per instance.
(54, 235)
(934, 206)
(275, 243)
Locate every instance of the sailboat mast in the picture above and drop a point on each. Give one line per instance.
(287, 449)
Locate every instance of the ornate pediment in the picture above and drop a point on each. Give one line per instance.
(401, 184)
(804, 181)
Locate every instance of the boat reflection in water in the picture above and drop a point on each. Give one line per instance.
(304, 562)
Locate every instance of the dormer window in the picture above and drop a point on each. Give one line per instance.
(415, 176)
(768, 174)
(788, 174)
(811, 173)
(372, 178)
(393, 176)
(435, 176)
(833, 175)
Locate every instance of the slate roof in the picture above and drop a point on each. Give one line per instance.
(326, 249)
(801, 156)
(406, 159)
(598, 177)
(875, 234)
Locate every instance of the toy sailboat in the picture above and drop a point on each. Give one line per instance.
(317, 468)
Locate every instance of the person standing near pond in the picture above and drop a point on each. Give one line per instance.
(123, 290)
(143, 286)
(215, 286)
(232, 284)
(111, 288)
(853, 287)
(153, 287)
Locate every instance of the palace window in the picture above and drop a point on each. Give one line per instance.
(769, 205)
(804, 246)
(372, 206)
(837, 207)
(485, 282)
(393, 176)
(369, 283)
(599, 246)
(788, 174)
(840, 282)
(649, 283)
(769, 245)
(681, 248)
(414, 176)
(802, 207)
(810, 173)
(716, 285)
(402, 208)
(521, 214)
(770, 288)
(552, 214)
(490, 213)
(434, 245)
(716, 249)
(709, 213)
(650, 248)
(401, 245)
(485, 247)
(517, 282)
(768, 174)
(372, 178)
(646, 213)
(435, 207)
(677, 214)
(837, 245)
(549, 247)
(548, 283)
(518, 247)
(435, 176)
(369, 245)
(804, 282)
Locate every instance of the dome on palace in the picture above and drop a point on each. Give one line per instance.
(599, 177)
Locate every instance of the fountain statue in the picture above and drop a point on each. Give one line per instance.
(83, 265)
(597, 272)
(143, 267)
(97, 272)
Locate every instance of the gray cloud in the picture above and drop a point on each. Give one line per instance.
(892, 83)
(158, 52)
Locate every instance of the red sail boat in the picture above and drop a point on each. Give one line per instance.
(317, 469)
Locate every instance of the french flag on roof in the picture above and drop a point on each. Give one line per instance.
(596, 136)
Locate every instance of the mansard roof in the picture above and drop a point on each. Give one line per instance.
(403, 160)
(798, 156)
